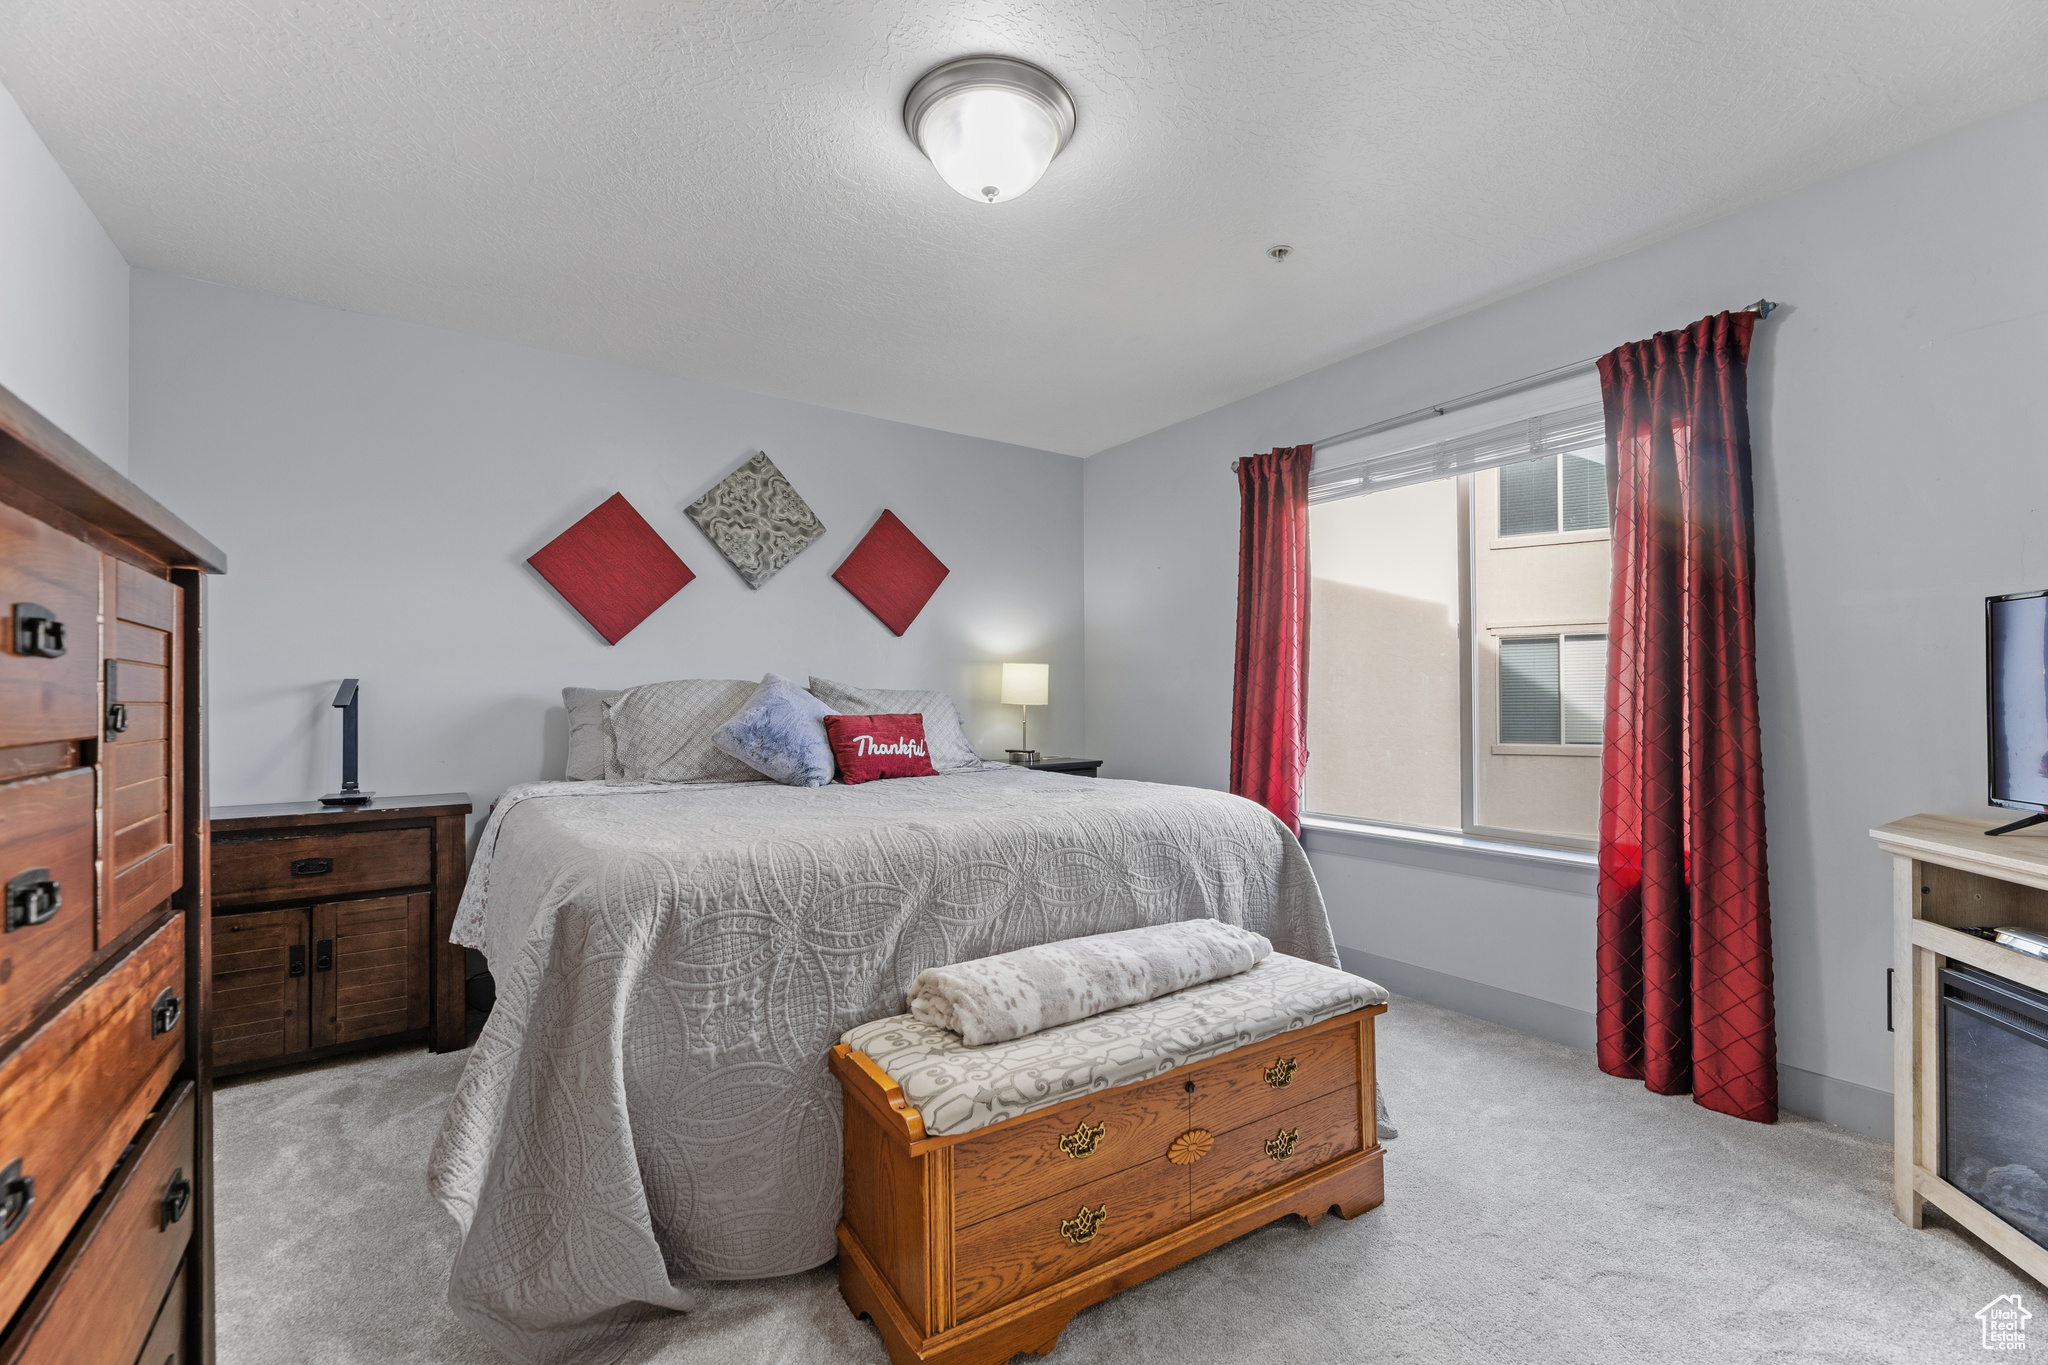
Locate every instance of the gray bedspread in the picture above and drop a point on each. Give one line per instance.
(649, 1102)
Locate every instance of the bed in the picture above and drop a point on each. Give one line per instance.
(649, 1102)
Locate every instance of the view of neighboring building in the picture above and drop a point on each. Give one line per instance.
(1390, 596)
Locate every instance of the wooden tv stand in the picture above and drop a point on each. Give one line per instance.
(1946, 873)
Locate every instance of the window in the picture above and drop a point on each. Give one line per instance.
(1552, 688)
(1554, 494)
(1458, 618)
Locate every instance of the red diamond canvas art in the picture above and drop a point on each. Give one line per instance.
(612, 567)
(891, 573)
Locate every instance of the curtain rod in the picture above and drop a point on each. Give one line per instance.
(1762, 308)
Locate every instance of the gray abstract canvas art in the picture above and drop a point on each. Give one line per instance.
(756, 519)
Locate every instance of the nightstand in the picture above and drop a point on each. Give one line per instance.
(330, 928)
(1079, 767)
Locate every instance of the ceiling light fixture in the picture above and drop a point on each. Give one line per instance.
(991, 125)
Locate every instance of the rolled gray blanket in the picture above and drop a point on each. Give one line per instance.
(994, 999)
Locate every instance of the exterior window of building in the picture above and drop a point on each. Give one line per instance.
(1553, 494)
(1458, 647)
(1552, 688)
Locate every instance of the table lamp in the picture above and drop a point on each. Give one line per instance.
(351, 794)
(1025, 686)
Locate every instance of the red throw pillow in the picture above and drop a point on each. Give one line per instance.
(868, 747)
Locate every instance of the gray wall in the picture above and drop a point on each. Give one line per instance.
(1901, 474)
(378, 485)
(63, 297)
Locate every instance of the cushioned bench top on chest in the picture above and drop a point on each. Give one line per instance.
(993, 1192)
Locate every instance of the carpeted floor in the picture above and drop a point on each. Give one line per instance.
(1536, 1211)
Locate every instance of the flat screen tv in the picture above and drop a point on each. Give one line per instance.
(2016, 685)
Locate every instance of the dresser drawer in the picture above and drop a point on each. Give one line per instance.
(1278, 1148)
(254, 871)
(46, 826)
(45, 573)
(73, 1095)
(1025, 1160)
(101, 1302)
(1267, 1078)
(1001, 1258)
(166, 1344)
(140, 794)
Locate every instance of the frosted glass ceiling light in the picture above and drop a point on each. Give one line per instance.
(990, 124)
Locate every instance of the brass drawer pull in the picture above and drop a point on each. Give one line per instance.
(17, 1197)
(1082, 1227)
(1280, 1075)
(32, 898)
(1083, 1141)
(1280, 1146)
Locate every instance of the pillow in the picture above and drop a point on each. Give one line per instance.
(663, 732)
(951, 752)
(869, 747)
(588, 747)
(780, 732)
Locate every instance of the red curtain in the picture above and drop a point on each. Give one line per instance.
(1684, 927)
(1269, 705)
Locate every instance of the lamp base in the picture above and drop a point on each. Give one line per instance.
(356, 798)
(1022, 755)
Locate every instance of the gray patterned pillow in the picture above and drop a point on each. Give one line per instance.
(944, 735)
(588, 746)
(663, 732)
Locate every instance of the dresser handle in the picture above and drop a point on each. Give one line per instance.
(1082, 1141)
(17, 1197)
(38, 634)
(296, 960)
(164, 1014)
(32, 898)
(323, 955)
(117, 714)
(1280, 1075)
(1280, 1146)
(176, 1199)
(311, 867)
(1082, 1227)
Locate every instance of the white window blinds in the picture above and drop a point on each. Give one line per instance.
(1553, 688)
(1580, 430)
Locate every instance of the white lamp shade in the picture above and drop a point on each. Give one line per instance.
(1026, 684)
(989, 143)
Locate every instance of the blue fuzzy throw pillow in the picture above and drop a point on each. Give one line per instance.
(781, 732)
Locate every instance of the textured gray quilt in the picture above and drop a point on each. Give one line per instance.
(649, 1102)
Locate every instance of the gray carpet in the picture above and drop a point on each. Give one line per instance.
(1536, 1211)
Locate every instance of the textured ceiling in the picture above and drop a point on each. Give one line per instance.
(723, 190)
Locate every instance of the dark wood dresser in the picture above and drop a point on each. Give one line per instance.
(1078, 767)
(106, 1109)
(331, 928)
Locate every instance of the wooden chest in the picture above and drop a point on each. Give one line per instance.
(972, 1248)
(105, 1096)
(331, 928)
